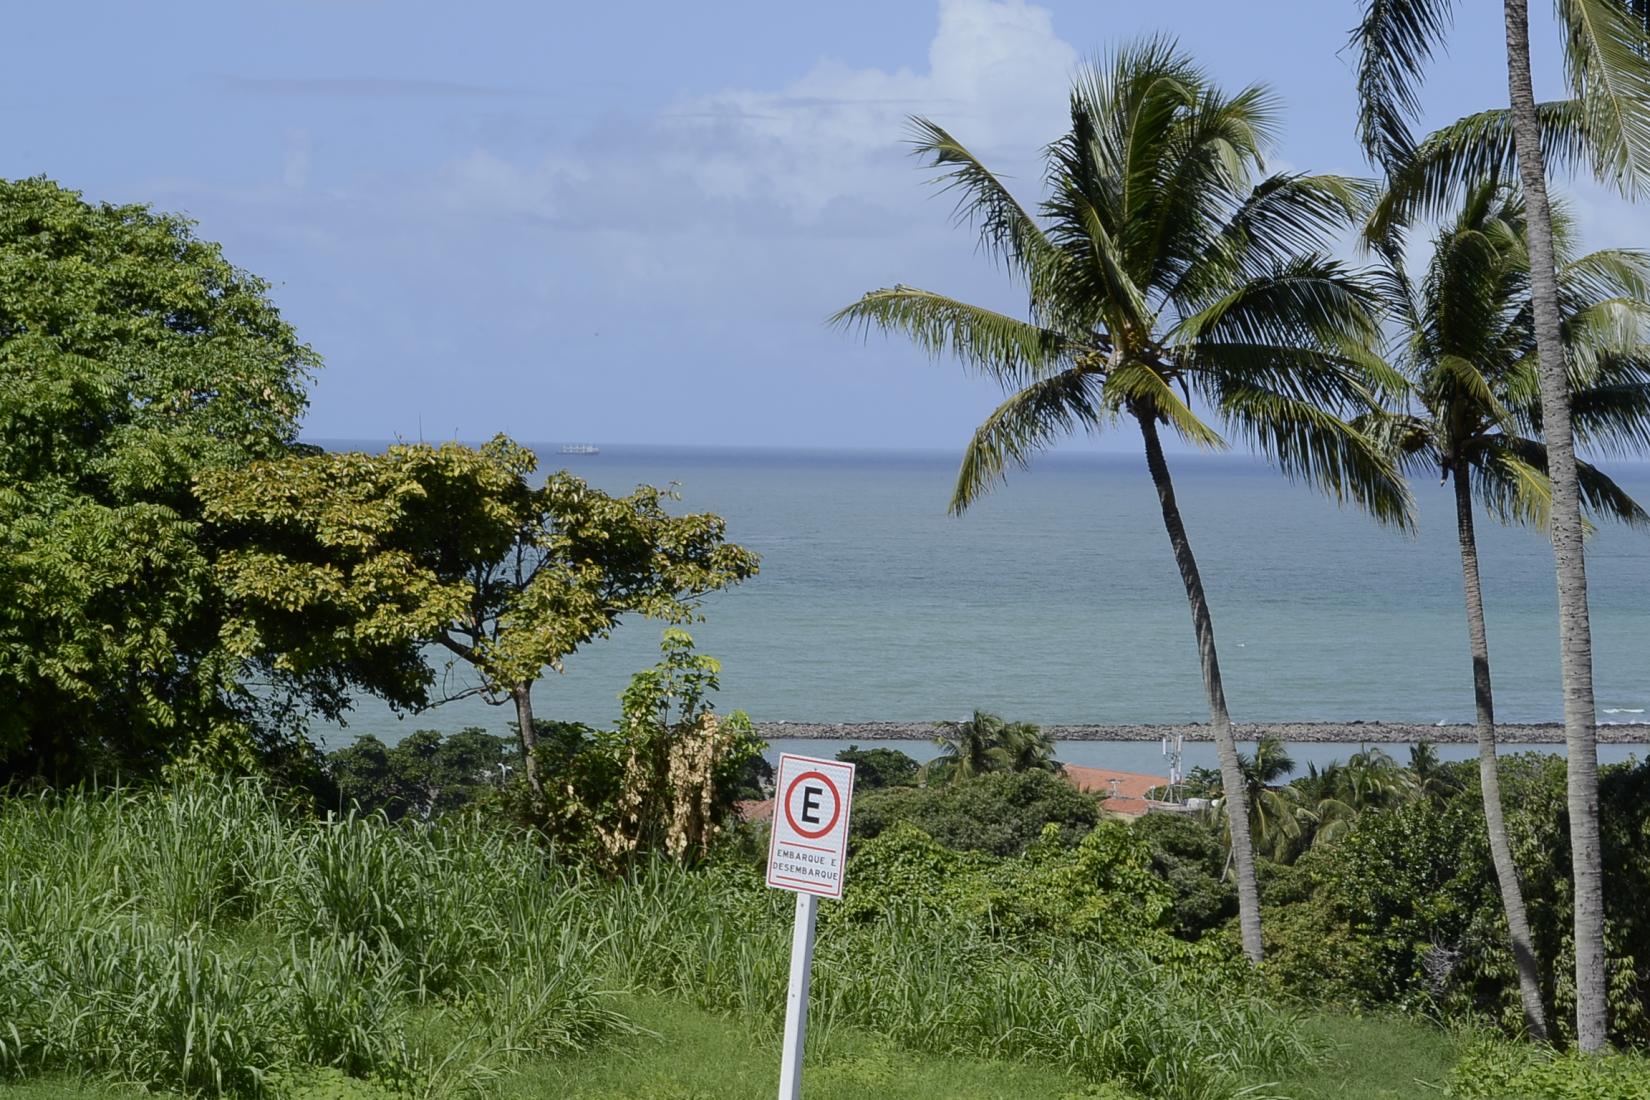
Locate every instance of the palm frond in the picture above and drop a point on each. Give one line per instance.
(1607, 60)
(1139, 385)
(1456, 380)
(1309, 301)
(1127, 306)
(1024, 424)
(1310, 444)
(1607, 500)
(1406, 440)
(1192, 184)
(1607, 334)
(1005, 348)
(1526, 459)
(1467, 151)
(1512, 489)
(1608, 273)
(1612, 419)
(1283, 216)
(1007, 231)
(1394, 41)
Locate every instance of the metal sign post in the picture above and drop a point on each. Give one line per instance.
(807, 853)
(796, 1001)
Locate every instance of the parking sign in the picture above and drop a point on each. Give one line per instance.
(809, 845)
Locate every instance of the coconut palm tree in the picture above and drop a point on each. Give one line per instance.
(1607, 122)
(970, 748)
(1433, 779)
(1165, 282)
(1373, 780)
(1029, 748)
(1465, 338)
(1326, 814)
(1274, 812)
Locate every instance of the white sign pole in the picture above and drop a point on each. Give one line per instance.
(807, 853)
(796, 1002)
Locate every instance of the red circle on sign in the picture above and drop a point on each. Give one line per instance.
(836, 810)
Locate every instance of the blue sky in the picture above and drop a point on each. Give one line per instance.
(625, 222)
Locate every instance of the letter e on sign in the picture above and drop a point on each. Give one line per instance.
(809, 846)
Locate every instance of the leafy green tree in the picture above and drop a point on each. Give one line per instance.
(1101, 887)
(1000, 812)
(1465, 339)
(1160, 274)
(1536, 787)
(348, 564)
(877, 768)
(132, 356)
(424, 775)
(1606, 122)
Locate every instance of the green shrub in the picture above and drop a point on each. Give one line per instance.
(1520, 1071)
(663, 781)
(1000, 813)
(882, 767)
(1188, 855)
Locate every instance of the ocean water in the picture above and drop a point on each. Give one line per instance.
(1055, 599)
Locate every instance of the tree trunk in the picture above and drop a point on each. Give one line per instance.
(1575, 634)
(1489, 773)
(523, 695)
(1231, 773)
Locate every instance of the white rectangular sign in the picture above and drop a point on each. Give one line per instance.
(809, 846)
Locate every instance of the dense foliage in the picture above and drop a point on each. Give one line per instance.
(1506, 1071)
(1002, 813)
(423, 775)
(133, 356)
(1187, 854)
(879, 767)
(1402, 909)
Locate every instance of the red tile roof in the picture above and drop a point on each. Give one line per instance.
(754, 809)
(1105, 781)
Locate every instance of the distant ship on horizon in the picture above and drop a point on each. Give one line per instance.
(580, 449)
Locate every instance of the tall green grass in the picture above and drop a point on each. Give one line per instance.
(200, 939)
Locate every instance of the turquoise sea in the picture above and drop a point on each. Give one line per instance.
(1055, 599)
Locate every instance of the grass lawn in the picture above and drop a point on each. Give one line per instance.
(1385, 1058)
(694, 1055)
(698, 1056)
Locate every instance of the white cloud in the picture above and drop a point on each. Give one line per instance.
(823, 151)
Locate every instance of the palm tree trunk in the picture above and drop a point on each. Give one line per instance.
(522, 694)
(1575, 634)
(1489, 772)
(1231, 772)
